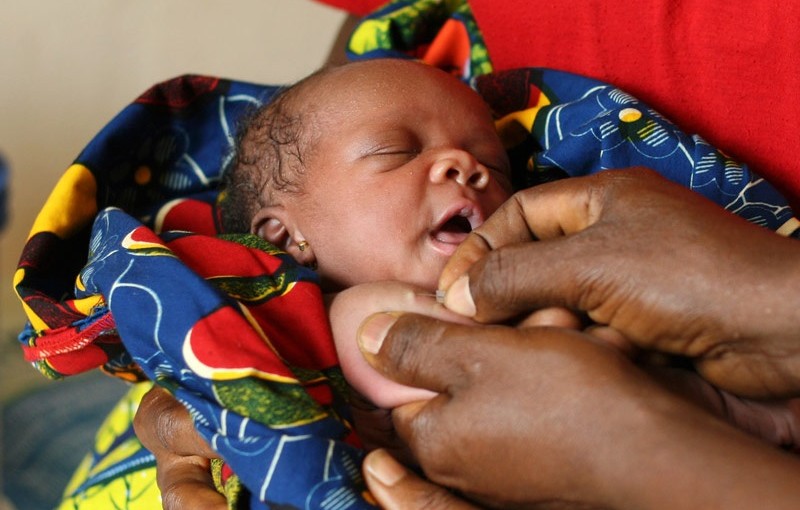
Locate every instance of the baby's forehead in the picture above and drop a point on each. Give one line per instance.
(390, 84)
(372, 80)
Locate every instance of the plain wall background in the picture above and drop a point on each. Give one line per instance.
(68, 66)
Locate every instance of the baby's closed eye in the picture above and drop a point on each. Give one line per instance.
(389, 157)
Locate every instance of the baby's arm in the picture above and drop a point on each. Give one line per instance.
(349, 308)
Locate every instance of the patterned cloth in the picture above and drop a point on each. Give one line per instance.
(442, 34)
(118, 472)
(126, 270)
(236, 330)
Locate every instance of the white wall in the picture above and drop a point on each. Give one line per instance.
(68, 66)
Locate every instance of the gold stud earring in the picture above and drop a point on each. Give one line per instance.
(302, 245)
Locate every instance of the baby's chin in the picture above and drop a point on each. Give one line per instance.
(422, 274)
(427, 278)
(426, 286)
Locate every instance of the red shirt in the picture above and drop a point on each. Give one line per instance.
(728, 70)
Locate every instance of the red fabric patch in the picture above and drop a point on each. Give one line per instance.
(190, 215)
(719, 69)
(70, 351)
(180, 92)
(221, 342)
(358, 7)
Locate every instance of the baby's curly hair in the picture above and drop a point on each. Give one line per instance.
(269, 155)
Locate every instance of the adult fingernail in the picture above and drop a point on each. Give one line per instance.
(373, 331)
(459, 298)
(382, 466)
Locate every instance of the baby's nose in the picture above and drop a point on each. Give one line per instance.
(462, 167)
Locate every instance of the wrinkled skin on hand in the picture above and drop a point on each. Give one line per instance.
(665, 267)
(550, 418)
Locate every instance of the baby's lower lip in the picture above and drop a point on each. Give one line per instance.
(447, 242)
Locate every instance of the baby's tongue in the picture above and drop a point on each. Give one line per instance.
(454, 231)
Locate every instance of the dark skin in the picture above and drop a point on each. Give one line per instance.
(499, 384)
(549, 418)
(165, 428)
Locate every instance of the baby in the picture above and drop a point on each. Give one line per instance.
(373, 172)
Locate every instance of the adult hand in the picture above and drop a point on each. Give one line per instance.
(348, 309)
(667, 268)
(373, 395)
(548, 416)
(397, 488)
(165, 428)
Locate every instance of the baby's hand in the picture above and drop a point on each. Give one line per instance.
(349, 308)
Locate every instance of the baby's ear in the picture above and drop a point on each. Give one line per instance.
(269, 223)
(274, 224)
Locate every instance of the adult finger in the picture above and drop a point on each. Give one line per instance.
(603, 245)
(543, 212)
(351, 307)
(163, 424)
(498, 272)
(521, 278)
(186, 482)
(182, 457)
(397, 488)
(420, 367)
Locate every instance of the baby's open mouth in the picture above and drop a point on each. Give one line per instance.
(453, 231)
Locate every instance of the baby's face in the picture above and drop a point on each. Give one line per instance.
(405, 163)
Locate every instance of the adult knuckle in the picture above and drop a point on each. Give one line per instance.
(403, 338)
(146, 418)
(434, 498)
(427, 443)
(140, 424)
(181, 494)
(172, 499)
(495, 288)
(172, 488)
(167, 426)
(496, 269)
(598, 278)
(432, 443)
(596, 195)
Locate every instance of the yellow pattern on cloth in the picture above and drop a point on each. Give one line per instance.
(442, 33)
(134, 488)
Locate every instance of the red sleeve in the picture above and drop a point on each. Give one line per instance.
(357, 7)
(724, 70)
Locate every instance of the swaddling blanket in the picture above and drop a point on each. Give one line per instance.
(125, 268)
(233, 328)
